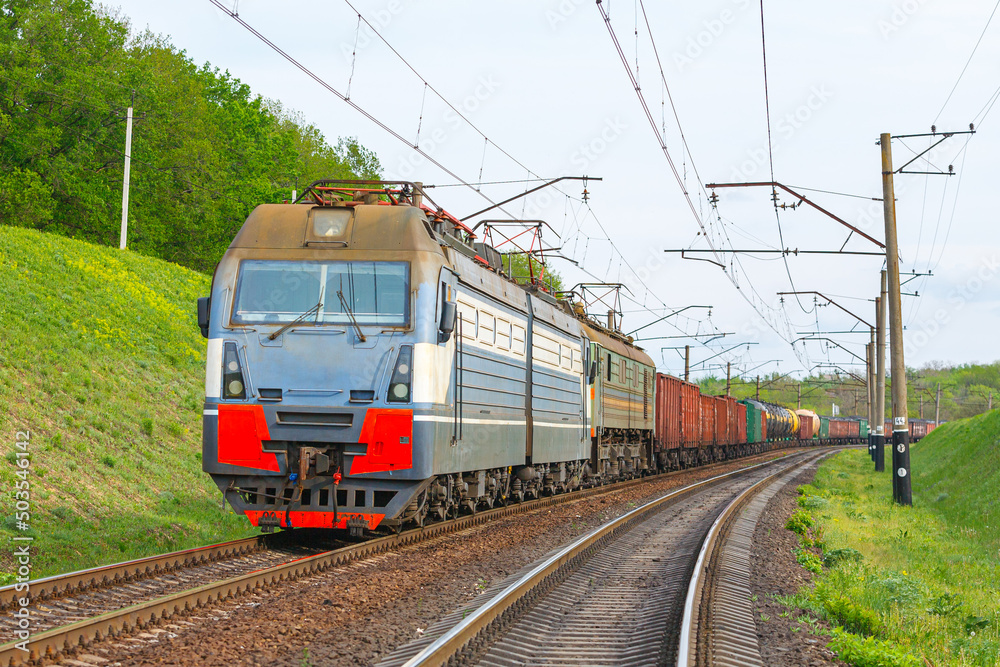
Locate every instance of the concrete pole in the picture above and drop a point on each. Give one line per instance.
(687, 362)
(123, 238)
(937, 406)
(758, 387)
(798, 397)
(880, 304)
(870, 366)
(900, 423)
(728, 376)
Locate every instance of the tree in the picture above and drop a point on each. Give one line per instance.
(516, 265)
(205, 149)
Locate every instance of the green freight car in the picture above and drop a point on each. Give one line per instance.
(755, 422)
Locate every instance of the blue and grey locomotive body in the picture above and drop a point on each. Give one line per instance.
(367, 367)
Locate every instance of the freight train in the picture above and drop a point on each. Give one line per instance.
(370, 364)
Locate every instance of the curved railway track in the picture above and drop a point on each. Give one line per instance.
(617, 594)
(72, 610)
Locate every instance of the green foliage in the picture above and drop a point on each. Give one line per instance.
(922, 580)
(846, 612)
(800, 522)
(952, 461)
(834, 556)
(518, 267)
(965, 390)
(811, 502)
(809, 560)
(870, 652)
(205, 149)
(84, 321)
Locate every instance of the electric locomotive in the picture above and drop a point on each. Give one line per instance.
(369, 364)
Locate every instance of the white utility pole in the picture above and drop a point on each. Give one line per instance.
(128, 168)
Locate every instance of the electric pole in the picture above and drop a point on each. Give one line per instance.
(937, 406)
(798, 397)
(902, 489)
(903, 493)
(870, 358)
(758, 387)
(880, 307)
(687, 362)
(728, 370)
(128, 168)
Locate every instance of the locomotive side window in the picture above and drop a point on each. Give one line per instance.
(518, 340)
(503, 334)
(470, 320)
(487, 324)
(282, 291)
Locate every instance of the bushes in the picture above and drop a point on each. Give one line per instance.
(870, 652)
(800, 522)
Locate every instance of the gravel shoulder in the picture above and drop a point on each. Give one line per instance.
(784, 640)
(355, 614)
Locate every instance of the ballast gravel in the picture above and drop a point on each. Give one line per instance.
(357, 613)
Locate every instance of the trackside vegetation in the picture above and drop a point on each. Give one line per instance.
(205, 149)
(908, 586)
(101, 360)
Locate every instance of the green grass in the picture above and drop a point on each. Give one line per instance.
(904, 585)
(101, 359)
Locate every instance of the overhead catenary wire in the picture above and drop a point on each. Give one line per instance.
(364, 112)
(487, 141)
(385, 127)
(966, 66)
(673, 167)
(770, 158)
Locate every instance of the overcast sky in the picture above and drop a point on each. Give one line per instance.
(544, 82)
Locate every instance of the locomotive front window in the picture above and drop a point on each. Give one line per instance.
(282, 291)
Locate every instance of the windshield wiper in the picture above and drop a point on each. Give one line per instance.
(314, 309)
(350, 313)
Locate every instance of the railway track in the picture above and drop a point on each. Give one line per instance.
(70, 611)
(617, 594)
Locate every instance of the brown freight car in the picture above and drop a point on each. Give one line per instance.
(707, 421)
(737, 421)
(721, 429)
(678, 432)
(808, 424)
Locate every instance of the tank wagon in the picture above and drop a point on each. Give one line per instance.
(370, 364)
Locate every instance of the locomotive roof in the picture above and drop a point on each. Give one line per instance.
(615, 345)
(369, 227)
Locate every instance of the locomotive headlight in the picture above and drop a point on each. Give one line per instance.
(232, 376)
(399, 384)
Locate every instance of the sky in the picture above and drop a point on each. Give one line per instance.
(519, 90)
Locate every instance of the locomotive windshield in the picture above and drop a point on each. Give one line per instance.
(281, 291)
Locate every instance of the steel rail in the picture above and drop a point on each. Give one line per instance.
(62, 584)
(51, 643)
(687, 646)
(493, 613)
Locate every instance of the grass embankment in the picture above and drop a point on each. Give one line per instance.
(909, 586)
(101, 359)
